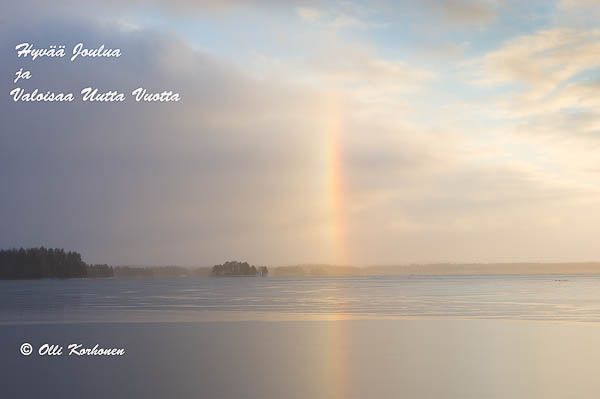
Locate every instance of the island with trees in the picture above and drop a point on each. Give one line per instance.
(235, 268)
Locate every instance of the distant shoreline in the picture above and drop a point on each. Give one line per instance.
(443, 269)
(41, 263)
(316, 271)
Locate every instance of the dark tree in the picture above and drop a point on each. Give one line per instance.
(34, 263)
(235, 268)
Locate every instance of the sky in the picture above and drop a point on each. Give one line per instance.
(340, 132)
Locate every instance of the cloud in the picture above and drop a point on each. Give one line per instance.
(542, 61)
(572, 97)
(553, 79)
(202, 173)
(207, 5)
(189, 182)
(359, 68)
(346, 21)
(550, 74)
(239, 168)
(308, 14)
(577, 3)
(340, 16)
(466, 11)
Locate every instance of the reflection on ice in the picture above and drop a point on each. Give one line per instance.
(464, 297)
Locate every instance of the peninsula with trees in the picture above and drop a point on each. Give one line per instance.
(36, 263)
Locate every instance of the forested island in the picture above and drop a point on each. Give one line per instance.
(235, 268)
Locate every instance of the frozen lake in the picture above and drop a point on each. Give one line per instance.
(564, 298)
(385, 337)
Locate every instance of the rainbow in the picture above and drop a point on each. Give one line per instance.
(334, 353)
(335, 182)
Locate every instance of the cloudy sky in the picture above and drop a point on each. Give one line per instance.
(332, 132)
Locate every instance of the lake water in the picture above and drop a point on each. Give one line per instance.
(357, 337)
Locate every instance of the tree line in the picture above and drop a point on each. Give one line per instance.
(38, 263)
(35, 263)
